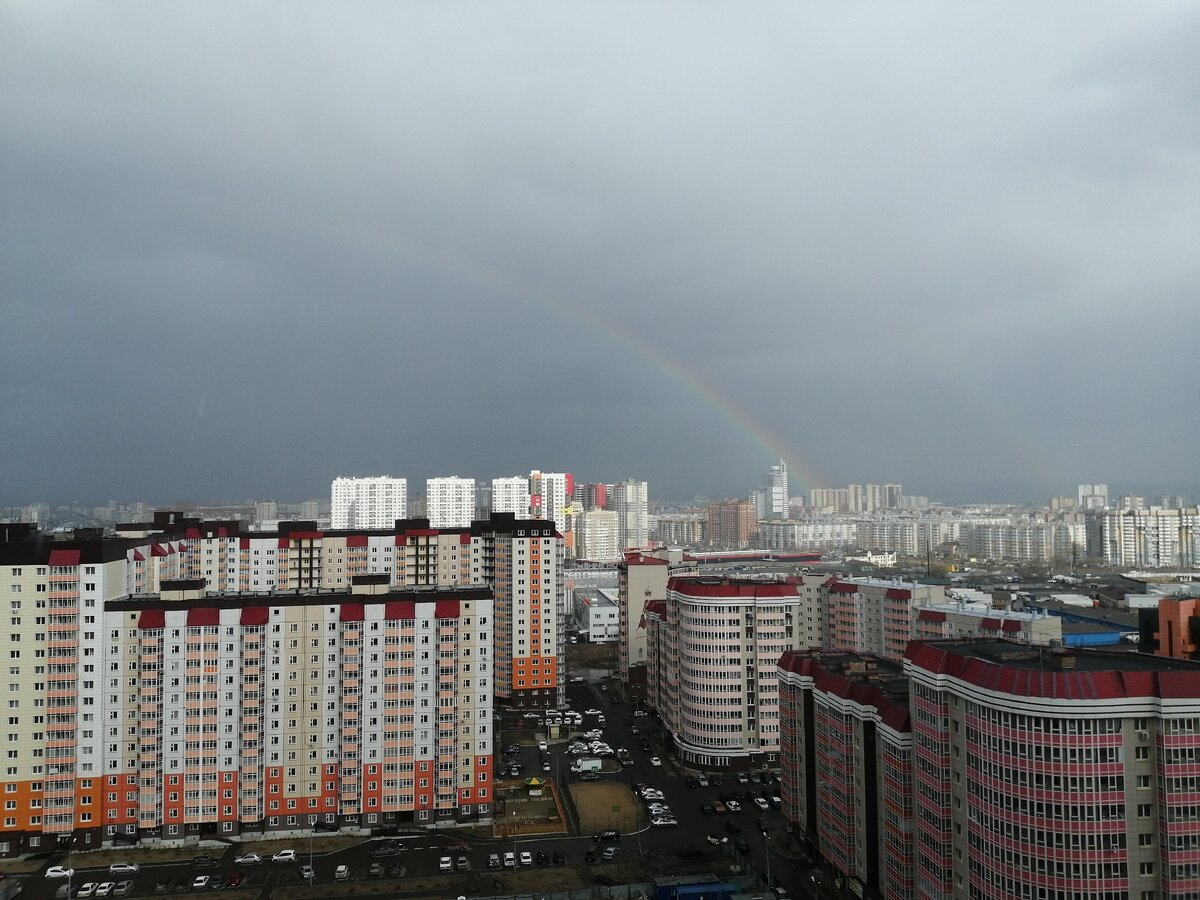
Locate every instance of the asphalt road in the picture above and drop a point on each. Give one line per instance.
(422, 852)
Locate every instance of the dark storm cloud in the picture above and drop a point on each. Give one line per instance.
(247, 249)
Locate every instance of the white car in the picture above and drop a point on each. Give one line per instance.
(445, 864)
(663, 821)
(284, 856)
(527, 859)
(655, 761)
(532, 715)
(543, 746)
(87, 890)
(510, 860)
(59, 872)
(105, 889)
(761, 803)
(124, 869)
(200, 882)
(591, 712)
(733, 806)
(248, 859)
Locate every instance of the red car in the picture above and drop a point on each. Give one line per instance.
(455, 846)
(235, 879)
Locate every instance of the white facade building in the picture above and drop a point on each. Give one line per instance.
(630, 500)
(368, 502)
(450, 501)
(511, 495)
(595, 613)
(549, 497)
(713, 646)
(597, 535)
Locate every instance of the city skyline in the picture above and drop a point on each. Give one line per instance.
(873, 246)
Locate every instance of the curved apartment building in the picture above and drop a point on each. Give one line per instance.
(713, 645)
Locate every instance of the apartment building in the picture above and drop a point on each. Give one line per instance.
(630, 500)
(680, 529)
(712, 649)
(1024, 542)
(368, 502)
(874, 615)
(123, 652)
(805, 534)
(550, 495)
(450, 501)
(597, 535)
(1153, 538)
(641, 578)
(958, 619)
(731, 523)
(1020, 772)
(511, 495)
(845, 750)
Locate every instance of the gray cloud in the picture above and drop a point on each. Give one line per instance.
(244, 250)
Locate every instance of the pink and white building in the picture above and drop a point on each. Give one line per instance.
(712, 649)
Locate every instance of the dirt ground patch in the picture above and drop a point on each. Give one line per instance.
(591, 656)
(605, 804)
(324, 844)
(110, 855)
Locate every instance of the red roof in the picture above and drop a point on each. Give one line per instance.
(244, 544)
(1110, 684)
(64, 557)
(1011, 625)
(158, 550)
(152, 618)
(356, 540)
(690, 587)
(351, 612)
(192, 533)
(898, 594)
(137, 555)
(400, 609)
(445, 609)
(202, 616)
(255, 615)
(931, 615)
(990, 624)
(634, 558)
(841, 587)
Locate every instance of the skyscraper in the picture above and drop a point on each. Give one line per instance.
(773, 498)
(630, 501)
(368, 502)
(549, 497)
(450, 501)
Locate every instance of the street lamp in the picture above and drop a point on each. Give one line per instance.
(767, 851)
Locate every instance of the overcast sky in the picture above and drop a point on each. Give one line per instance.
(245, 248)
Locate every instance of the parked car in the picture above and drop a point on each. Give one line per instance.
(510, 860)
(655, 761)
(663, 821)
(456, 846)
(761, 803)
(445, 864)
(59, 872)
(341, 873)
(204, 862)
(609, 835)
(284, 856)
(162, 887)
(610, 852)
(733, 806)
(200, 882)
(124, 869)
(462, 864)
(87, 890)
(307, 873)
(526, 858)
(493, 860)
(718, 807)
(104, 889)
(215, 883)
(235, 879)
(247, 859)
(375, 870)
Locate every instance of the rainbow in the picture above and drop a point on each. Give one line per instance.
(800, 476)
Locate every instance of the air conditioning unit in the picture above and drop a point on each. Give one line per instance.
(1143, 735)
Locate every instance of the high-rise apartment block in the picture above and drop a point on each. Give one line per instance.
(591, 496)
(731, 523)
(641, 578)
(1150, 538)
(206, 617)
(597, 535)
(368, 502)
(1092, 496)
(996, 770)
(772, 500)
(712, 648)
(630, 501)
(511, 495)
(450, 501)
(550, 495)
